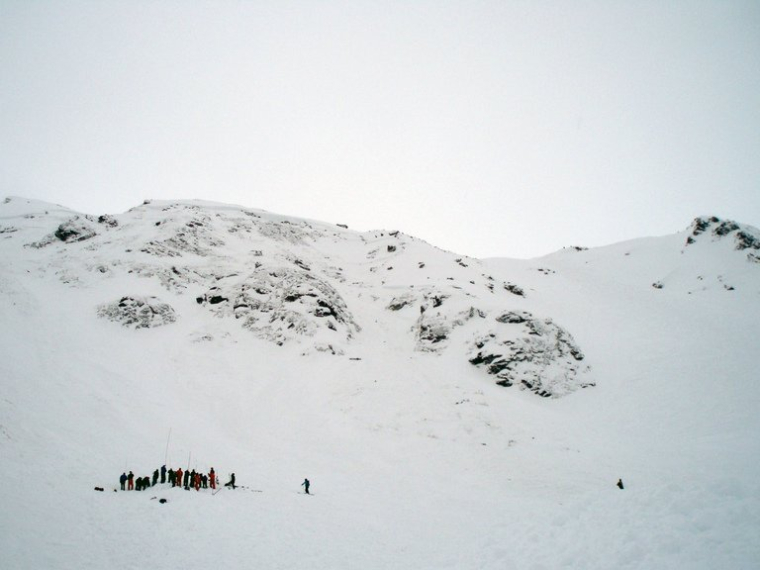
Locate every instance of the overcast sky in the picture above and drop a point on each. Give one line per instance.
(488, 128)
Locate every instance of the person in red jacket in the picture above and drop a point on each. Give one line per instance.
(178, 476)
(197, 482)
(212, 478)
(131, 481)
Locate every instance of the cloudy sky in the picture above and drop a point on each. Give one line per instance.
(505, 128)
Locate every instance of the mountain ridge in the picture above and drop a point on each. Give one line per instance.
(419, 457)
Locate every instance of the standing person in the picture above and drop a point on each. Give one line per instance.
(163, 474)
(186, 481)
(178, 476)
(131, 481)
(123, 481)
(231, 483)
(212, 478)
(204, 481)
(171, 476)
(305, 485)
(620, 484)
(155, 478)
(197, 482)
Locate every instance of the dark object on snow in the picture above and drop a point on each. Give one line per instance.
(123, 480)
(620, 484)
(162, 501)
(99, 489)
(231, 483)
(306, 485)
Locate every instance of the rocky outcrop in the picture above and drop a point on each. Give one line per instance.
(194, 237)
(536, 354)
(138, 312)
(76, 229)
(744, 237)
(280, 304)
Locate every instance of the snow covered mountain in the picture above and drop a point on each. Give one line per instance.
(403, 380)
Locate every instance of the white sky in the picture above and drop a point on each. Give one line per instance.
(488, 128)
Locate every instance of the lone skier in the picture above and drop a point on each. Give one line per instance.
(231, 483)
(305, 485)
(620, 484)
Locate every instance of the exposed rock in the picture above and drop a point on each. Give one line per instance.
(107, 220)
(138, 312)
(536, 354)
(74, 230)
(744, 238)
(514, 289)
(195, 237)
(398, 303)
(280, 304)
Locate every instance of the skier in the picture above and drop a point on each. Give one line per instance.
(231, 483)
(305, 485)
(620, 484)
(163, 474)
(212, 478)
(123, 480)
(131, 481)
(155, 478)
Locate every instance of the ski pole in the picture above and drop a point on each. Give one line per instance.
(166, 455)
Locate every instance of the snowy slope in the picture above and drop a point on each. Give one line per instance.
(281, 348)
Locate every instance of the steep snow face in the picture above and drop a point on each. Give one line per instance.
(166, 337)
(294, 281)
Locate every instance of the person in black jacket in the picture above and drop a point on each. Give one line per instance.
(163, 474)
(231, 483)
(620, 484)
(155, 478)
(305, 485)
(130, 481)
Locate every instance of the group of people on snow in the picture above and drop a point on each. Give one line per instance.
(177, 478)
